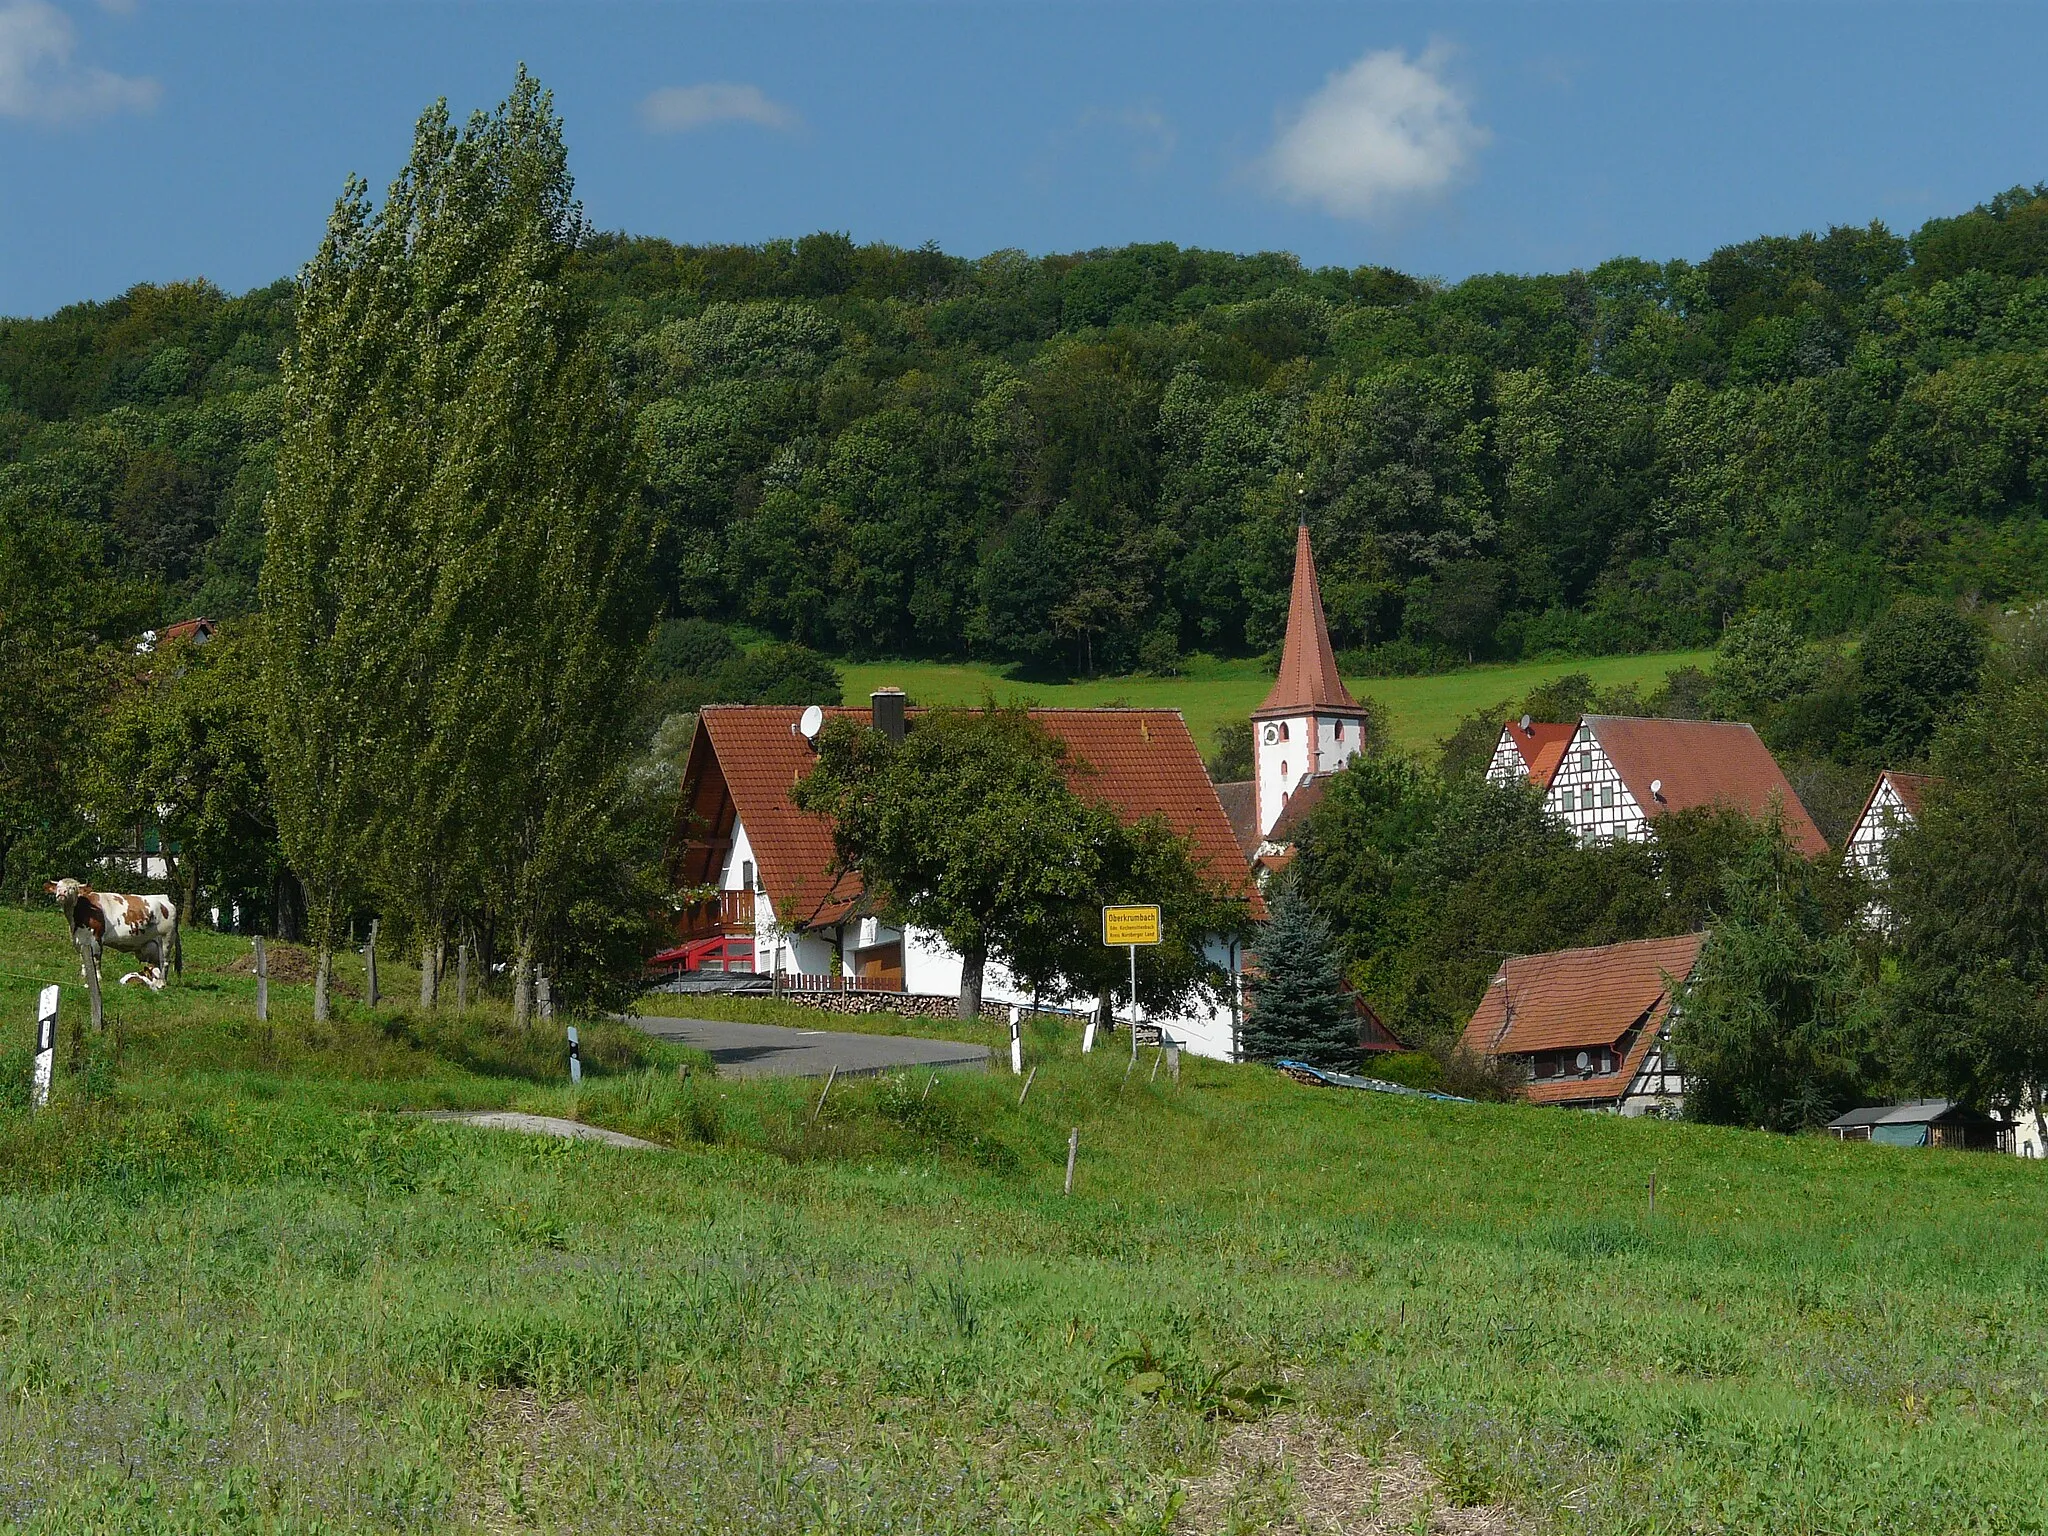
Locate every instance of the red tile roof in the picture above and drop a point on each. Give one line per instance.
(1576, 998)
(1143, 763)
(1911, 788)
(1308, 667)
(1306, 795)
(1703, 763)
(1240, 802)
(1542, 745)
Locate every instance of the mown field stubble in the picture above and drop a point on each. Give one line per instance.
(239, 1291)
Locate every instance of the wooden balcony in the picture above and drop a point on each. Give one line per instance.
(727, 913)
(791, 981)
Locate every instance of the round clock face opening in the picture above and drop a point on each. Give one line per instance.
(1272, 735)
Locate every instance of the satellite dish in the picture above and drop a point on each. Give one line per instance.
(1656, 789)
(1585, 1061)
(1526, 723)
(813, 721)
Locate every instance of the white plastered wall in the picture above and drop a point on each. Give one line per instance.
(1279, 762)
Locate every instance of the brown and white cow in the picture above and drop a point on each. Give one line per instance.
(143, 926)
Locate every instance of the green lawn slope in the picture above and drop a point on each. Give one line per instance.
(240, 1292)
(1421, 711)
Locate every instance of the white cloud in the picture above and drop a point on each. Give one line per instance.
(40, 80)
(679, 108)
(1386, 128)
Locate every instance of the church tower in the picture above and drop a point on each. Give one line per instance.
(1309, 726)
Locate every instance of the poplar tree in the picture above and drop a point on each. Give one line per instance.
(462, 586)
(338, 569)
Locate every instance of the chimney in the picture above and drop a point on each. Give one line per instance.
(887, 704)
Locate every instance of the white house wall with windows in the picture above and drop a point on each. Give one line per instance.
(746, 861)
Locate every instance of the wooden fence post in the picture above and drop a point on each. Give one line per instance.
(370, 967)
(1027, 1087)
(462, 976)
(1073, 1147)
(820, 1106)
(262, 982)
(544, 994)
(89, 945)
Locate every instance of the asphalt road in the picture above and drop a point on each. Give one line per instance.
(767, 1050)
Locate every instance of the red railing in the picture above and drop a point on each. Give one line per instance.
(728, 912)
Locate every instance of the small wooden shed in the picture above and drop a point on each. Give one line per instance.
(1924, 1123)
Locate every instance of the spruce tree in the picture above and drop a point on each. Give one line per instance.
(1299, 1011)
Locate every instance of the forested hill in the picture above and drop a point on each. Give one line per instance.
(1096, 460)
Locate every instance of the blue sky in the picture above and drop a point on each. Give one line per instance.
(143, 140)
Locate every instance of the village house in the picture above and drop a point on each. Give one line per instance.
(1894, 804)
(1618, 773)
(1529, 751)
(750, 866)
(1588, 1025)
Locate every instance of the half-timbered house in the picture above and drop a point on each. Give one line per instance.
(1529, 751)
(1618, 774)
(1588, 1025)
(1894, 804)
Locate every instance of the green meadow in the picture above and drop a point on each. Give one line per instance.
(1421, 711)
(241, 1291)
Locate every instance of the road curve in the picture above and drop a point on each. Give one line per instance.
(768, 1050)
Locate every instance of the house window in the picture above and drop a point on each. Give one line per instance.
(747, 875)
(1606, 796)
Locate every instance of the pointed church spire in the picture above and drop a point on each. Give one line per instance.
(1308, 667)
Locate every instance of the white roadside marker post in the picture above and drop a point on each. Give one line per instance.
(1016, 1043)
(575, 1057)
(1088, 1036)
(1073, 1147)
(46, 1048)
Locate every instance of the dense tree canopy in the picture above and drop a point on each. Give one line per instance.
(1094, 459)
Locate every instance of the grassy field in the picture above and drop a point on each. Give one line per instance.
(239, 1293)
(1422, 710)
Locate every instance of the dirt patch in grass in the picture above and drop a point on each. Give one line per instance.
(520, 1444)
(290, 964)
(1296, 1475)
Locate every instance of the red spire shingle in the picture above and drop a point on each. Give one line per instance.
(1308, 667)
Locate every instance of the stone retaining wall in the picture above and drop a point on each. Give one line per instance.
(912, 1005)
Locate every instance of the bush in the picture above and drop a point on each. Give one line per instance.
(690, 648)
(1411, 1069)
